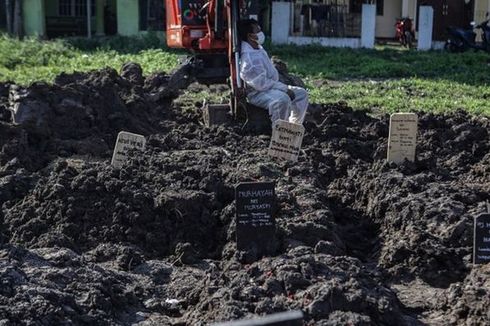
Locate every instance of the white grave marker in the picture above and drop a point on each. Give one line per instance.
(125, 142)
(402, 139)
(286, 140)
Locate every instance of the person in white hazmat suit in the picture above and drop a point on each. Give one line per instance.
(263, 88)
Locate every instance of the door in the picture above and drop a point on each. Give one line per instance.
(449, 13)
(3, 15)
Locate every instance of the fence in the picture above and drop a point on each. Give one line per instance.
(330, 18)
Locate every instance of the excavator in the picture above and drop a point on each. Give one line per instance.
(208, 30)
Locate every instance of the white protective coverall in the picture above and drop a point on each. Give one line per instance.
(266, 91)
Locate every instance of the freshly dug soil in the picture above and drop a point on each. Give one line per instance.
(359, 241)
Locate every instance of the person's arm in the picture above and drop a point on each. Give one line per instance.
(254, 74)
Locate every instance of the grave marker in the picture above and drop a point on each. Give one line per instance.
(289, 318)
(481, 239)
(286, 140)
(402, 140)
(125, 142)
(255, 225)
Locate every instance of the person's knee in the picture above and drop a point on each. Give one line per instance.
(301, 93)
(279, 108)
(280, 104)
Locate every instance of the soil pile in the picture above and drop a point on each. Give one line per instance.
(77, 115)
(359, 240)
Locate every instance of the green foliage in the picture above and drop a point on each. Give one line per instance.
(32, 60)
(393, 79)
(388, 79)
(385, 62)
(403, 95)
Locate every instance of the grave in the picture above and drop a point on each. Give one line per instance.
(481, 239)
(255, 225)
(286, 140)
(126, 142)
(402, 140)
(289, 318)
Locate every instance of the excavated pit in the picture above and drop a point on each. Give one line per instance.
(359, 241)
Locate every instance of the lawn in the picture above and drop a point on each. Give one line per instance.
(387, 78)
(30, 60)
(394, 79)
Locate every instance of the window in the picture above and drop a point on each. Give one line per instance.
(75, 8)
(152, 15)
(356, 6)
(3, 15)
(65, 7)
(380, 7)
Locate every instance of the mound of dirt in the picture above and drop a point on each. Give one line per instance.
(78, 114)
(359, 241)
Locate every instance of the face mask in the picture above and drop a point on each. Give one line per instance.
(260, 38)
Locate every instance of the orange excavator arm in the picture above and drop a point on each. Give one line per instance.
(197, 25)
(207, 29)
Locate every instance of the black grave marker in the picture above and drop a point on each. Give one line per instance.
(255, 225)
(481, 244)
(290, 318)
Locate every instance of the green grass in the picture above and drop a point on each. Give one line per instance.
(393, 79)
(406, 94)
(30, 60)
(385, 62)
(389, 79)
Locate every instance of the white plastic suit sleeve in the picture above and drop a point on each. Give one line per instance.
(254, 73)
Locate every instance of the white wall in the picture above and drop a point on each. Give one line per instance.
(368, 26)
(336, 42)
(426, 26)
(385, 25)
(280, 25)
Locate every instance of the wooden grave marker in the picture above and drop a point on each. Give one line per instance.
(126, 142)
(402, 140)
(286, 140)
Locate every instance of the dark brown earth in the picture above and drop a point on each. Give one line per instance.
(360, 241)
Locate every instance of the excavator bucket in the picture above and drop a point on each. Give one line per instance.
(252, 118)
(216, 114)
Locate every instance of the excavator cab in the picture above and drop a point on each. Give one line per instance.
(207, 29)
(200, 26)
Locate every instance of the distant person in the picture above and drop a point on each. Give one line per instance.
(263, 88)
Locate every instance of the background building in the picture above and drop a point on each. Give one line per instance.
(322, 18)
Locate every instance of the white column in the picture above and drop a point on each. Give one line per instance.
(405, 8)
(426, 21)
(281, 12)
(368, 26)
(413, 12)
(89, 19)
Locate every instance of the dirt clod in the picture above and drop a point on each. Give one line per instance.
(359, 241)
